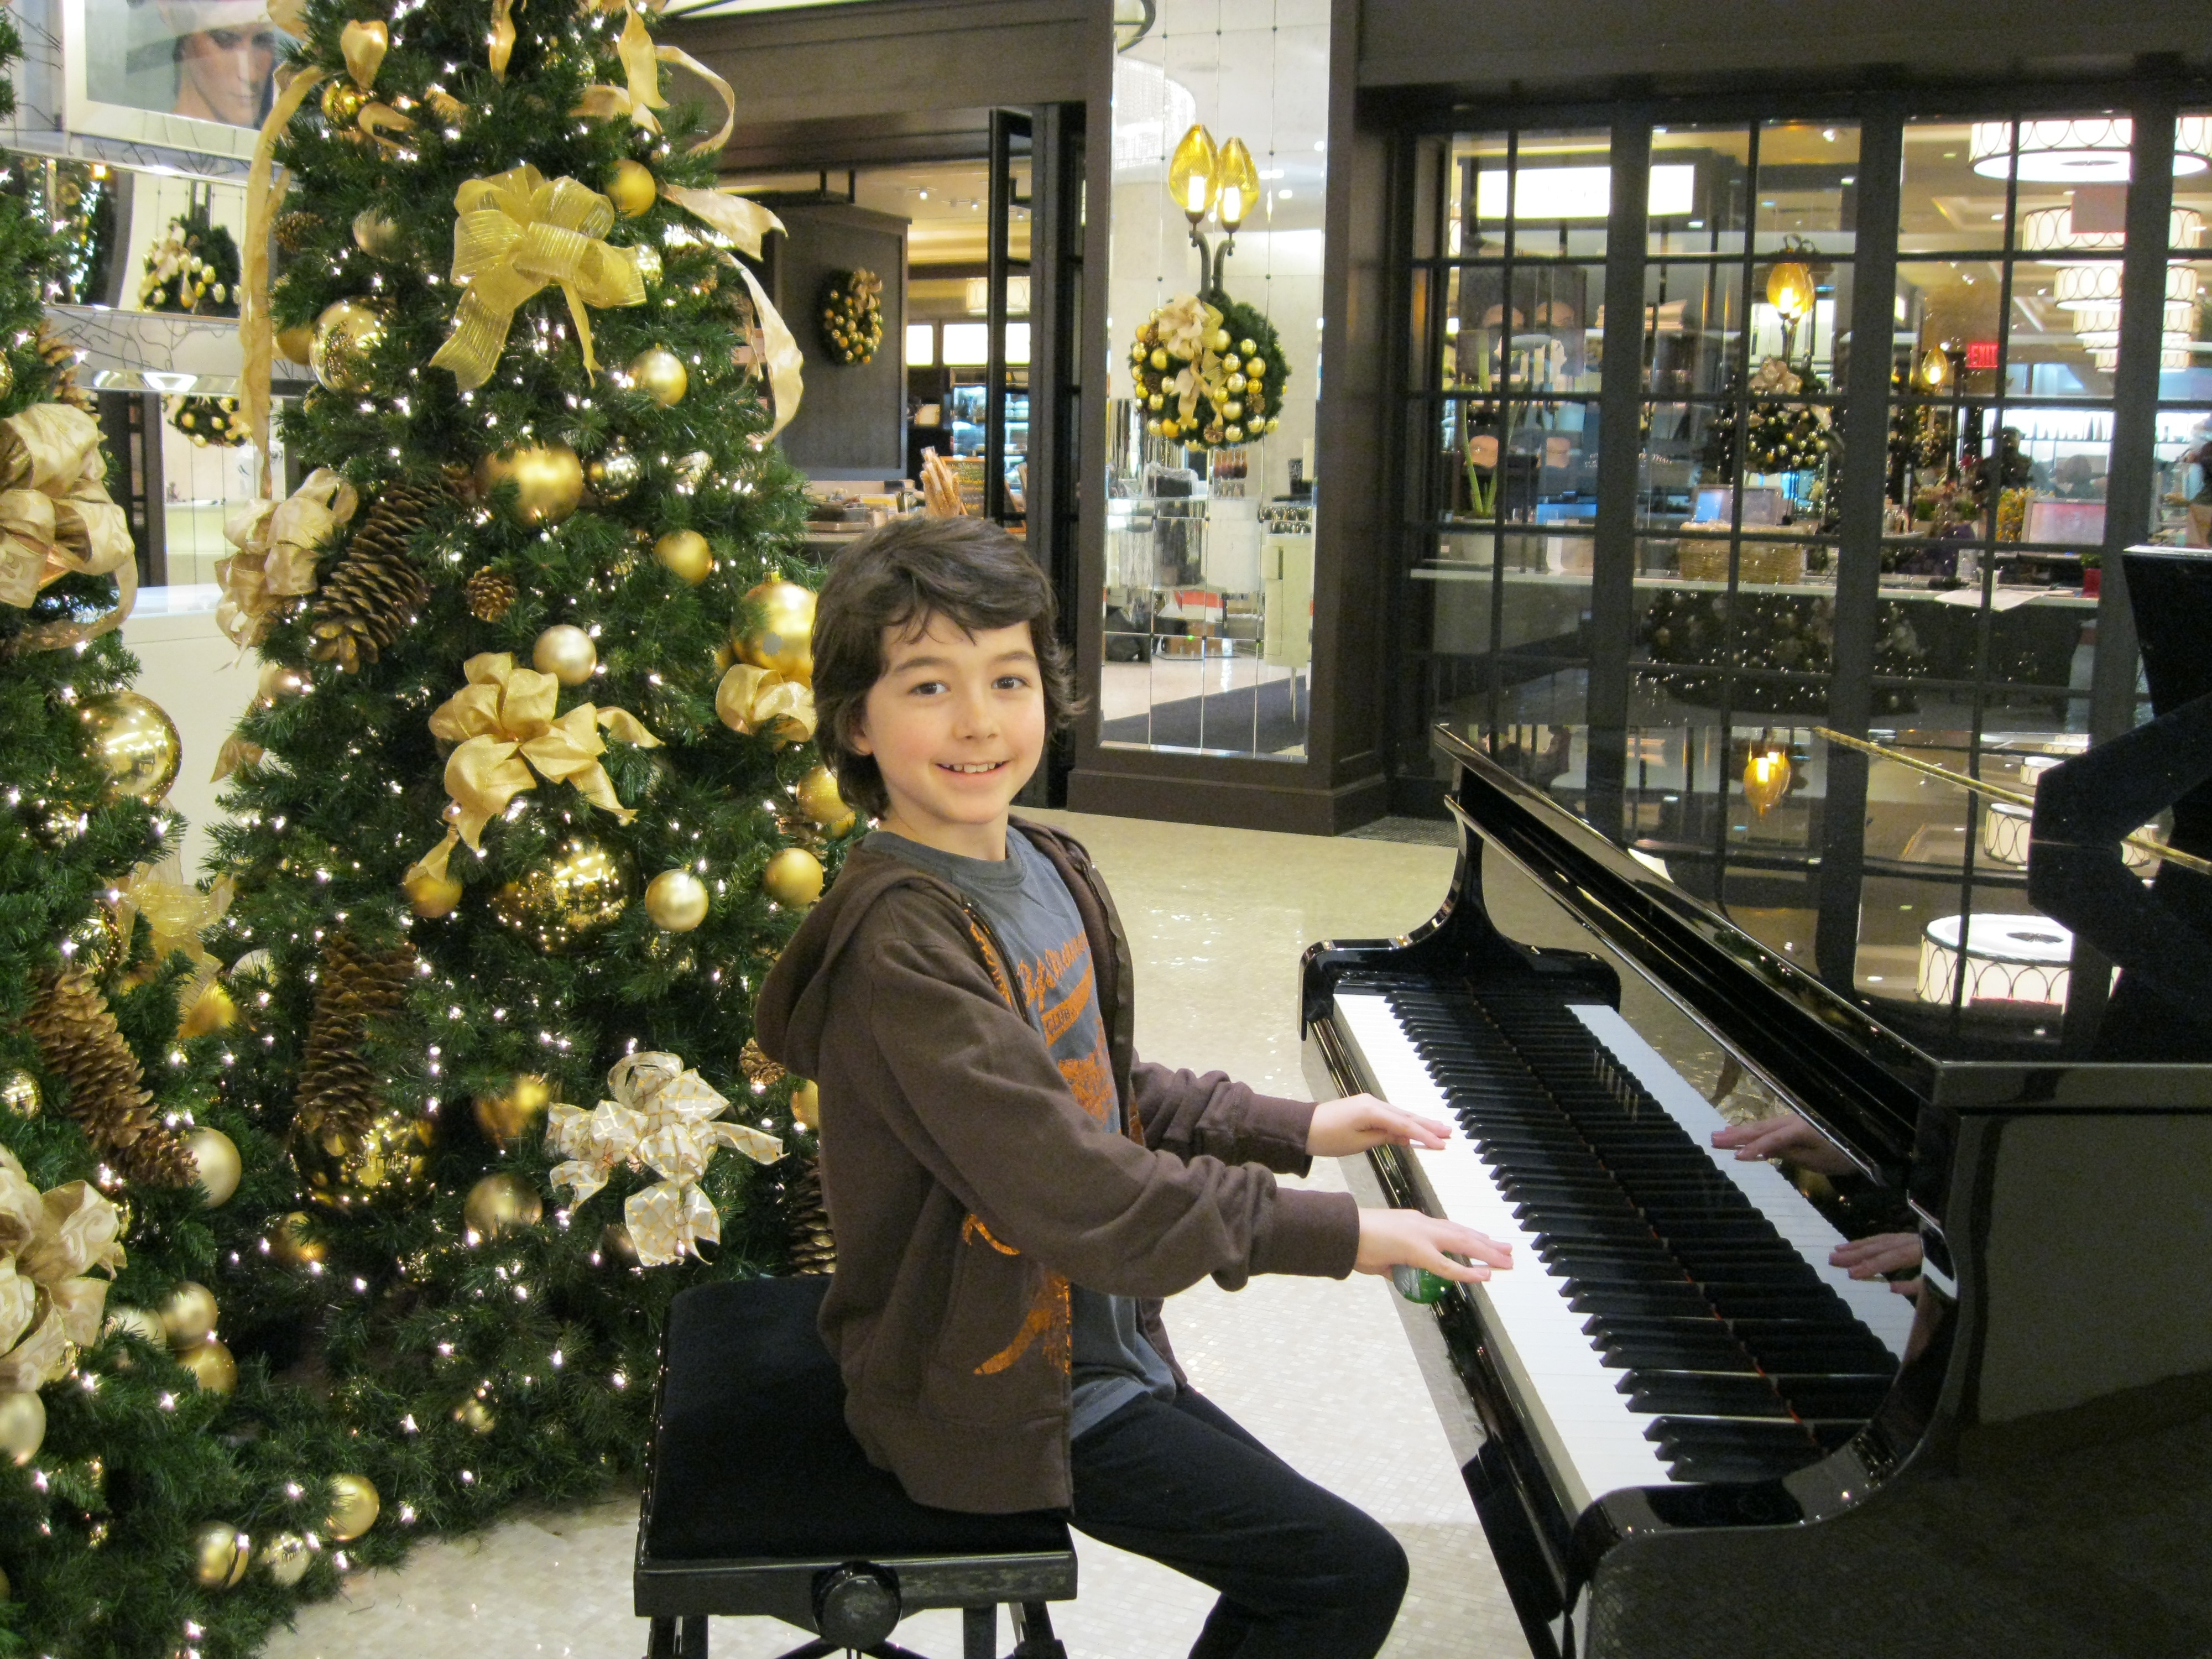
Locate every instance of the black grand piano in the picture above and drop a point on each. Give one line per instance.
(1698, 1438)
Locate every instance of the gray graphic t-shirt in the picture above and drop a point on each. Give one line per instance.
(1033, 915)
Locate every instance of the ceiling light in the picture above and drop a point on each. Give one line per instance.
(2093, 151)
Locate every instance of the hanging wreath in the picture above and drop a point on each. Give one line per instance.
(192, 269)
(1209, 374)
(852, 315)
(207, 420)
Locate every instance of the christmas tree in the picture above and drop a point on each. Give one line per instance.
(526, 806)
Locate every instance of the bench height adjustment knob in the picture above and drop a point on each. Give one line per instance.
(856, 1606)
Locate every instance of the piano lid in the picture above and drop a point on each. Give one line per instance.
(1896, 909)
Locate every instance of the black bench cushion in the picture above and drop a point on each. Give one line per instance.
(751, 1456)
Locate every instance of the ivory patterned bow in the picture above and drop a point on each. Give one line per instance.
(517, 232)
(276, 544)
(49, 1243)
(56, 518)
(759, 699)
(508, 737)
(665, 1118)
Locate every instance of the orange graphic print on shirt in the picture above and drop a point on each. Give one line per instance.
(1057, 1006)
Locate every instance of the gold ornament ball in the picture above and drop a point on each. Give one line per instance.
(675, 900)
(214, 1010)
(508, 1114)
(632, 188)
(373, 234)
(1152, 428)
(353, 1504)
(346, 334)
(20, 1094)
(614, 474)
(686, 554)
(1272, 423)
(818, 797)
(211, 1365)
(548, 480)
(806, 1105)
(221, 1555)
(1170, 427)
(298, 344)
(660, 374)
(342, 103)
(1233, 433)
(188, 1316)
(691, 470)
(584, 887)
(135, 744)
(215, 1155)
(793, 877)
(287, 1557)
(22, 1425)
(566, 652)
(276, 680)
(501, 1203)
(1256, 369)
(475, 1416)
(1237, 383)
(431, 897)
(783, 640)
(142, 1322)
(97, 944)
(1247, 345)
(291, 1243)
(1159, 357)
(349, 1165)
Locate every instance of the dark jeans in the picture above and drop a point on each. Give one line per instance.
(1302, 1574)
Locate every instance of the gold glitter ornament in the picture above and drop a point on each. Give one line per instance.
(753, 1061)
(221, 1555)
(501, 1203)
(660, 374)
(297, 344)
(632, 188)
(22, 1425)
(215, 1155)
(783, 640)
(508, 1114)
(565, 652)
(677, 901)
(354, 1506)
(342, 103)
(19, 1094)
(548, 480)
(346, 334)
(793, 877)
(135, 742)
(350, 1164)
(686, 555)
(583, 887)
(211, 1365)
(614, 473)
(475, 1416)
(96, 945)
(818, 797)
(375, 234)
(142, 1322)
(806, 1105)
(188, 1316)
(214, 1010)
(288, 1557)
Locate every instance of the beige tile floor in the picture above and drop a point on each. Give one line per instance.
(1321, 1370)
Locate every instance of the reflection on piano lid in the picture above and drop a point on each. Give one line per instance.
(1701, 1439)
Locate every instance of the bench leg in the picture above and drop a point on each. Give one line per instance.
(979, 1632)
(695, 1637)
(1033, 1625)
(660, 1639)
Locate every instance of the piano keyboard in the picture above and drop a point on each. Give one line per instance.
(1671, 1315)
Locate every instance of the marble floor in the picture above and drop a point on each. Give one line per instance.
(1322, 1372)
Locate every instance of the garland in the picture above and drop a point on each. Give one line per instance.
(852, 315)
(1209, 373)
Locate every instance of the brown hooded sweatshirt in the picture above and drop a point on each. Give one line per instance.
(967, 1188)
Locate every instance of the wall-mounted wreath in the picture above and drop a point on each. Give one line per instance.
(1209, 373)
(193, 268)
(852, 315)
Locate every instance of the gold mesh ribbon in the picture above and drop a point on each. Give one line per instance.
(56, 519)
(50, 1245)
(500, 47)
(664, 1118)
(264, 192)
(517, 233)
(363, 45)
(508, 738)
(177, 916)
(760, 701)
(276, 544)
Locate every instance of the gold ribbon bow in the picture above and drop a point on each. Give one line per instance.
(363, 45)
(508, 738)
(517, 233)
(49, 1243)
(276, 544)
(759, 699)
(664, 1118)
(56, 519)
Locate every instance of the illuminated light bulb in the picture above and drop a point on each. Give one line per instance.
(1790, 291)
(1766, 779)
(1240, 184)
(1934, 369)
(1194, 173)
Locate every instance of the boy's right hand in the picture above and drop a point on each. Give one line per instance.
(1393, 1238)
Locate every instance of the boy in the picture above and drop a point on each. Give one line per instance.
(1011, 1189)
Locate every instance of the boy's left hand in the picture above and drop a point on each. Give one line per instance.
(1341, 1127)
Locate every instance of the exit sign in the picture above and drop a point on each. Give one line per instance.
(1981, 354)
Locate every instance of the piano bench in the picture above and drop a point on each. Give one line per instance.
(758, 1501)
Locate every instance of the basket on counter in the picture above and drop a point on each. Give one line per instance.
(1704, 558)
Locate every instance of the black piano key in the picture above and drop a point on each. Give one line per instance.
(1763, 1436)
(1833, 1398)
(1600, 1298)
(1737, 1466)
(1748, 1396)
(1662, 1353)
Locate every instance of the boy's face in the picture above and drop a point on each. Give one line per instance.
(956, 725)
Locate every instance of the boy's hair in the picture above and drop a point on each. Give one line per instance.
(968, 571)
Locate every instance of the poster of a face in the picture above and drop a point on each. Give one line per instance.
(207, 60)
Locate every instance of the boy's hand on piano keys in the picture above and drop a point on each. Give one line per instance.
(1787, 1135)
(1406, 1238)
(1342, 1127)
(1878, 1256)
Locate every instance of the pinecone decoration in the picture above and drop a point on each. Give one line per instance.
(61, 359)
(294, 230)
(753, 1061)
(338, 1084)
(491, 594)
(813, 1250)
(374, 590)
(80, 1042)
